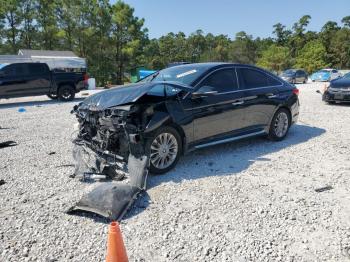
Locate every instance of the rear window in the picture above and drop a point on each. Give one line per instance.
(251, 78)
(16, 70)
(289, 72)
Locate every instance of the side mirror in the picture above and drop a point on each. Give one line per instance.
(204, 91)
(204, 94)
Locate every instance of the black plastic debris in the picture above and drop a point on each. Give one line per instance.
(112, 200)
(52, 153)
(2, 182)
(322, 189)
(66, 165)
(8, 144)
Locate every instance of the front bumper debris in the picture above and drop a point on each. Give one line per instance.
(112, 200)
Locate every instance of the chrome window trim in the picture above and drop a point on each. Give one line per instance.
(239, 89)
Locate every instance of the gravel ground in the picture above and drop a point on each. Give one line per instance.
(253, 200)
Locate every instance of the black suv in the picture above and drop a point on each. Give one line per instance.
(36, 79)
(183, 108)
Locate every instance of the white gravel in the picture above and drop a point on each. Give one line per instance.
(249, 201)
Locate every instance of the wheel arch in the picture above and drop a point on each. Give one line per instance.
(62, 84)
(283, 106)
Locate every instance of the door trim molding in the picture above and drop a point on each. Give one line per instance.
(231, 139)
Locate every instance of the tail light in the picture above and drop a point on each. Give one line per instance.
(296, 91)
(86, 78)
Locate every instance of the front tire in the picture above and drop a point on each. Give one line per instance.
(66, 93)
(164, 148)
(280, 124)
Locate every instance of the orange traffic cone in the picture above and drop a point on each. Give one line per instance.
(115, 247)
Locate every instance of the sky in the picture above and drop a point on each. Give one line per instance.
(228, 17)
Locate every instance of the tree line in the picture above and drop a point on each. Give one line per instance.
(114, 40)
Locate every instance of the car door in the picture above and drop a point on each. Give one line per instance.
(261, 97)
(217, 114)
(15, 80)
(39, 78)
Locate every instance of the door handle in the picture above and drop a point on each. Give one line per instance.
(237, 103)
(270, 95)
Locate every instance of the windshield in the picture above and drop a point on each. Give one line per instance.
(185, 74)
(324, 71)
(347, 75)
(289, 72)
(2, 66)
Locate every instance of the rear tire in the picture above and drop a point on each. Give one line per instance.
(280, 124)
(164, 148)
(66, 93)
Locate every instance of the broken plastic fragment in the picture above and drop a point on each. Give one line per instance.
(112, 200)
(7, 144)
(322, 189)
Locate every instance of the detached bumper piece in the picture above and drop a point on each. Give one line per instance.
(111, 200)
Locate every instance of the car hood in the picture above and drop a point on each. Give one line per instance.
(341, 82)
(125, 94)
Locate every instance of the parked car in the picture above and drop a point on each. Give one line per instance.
(294, 76)
(183, 108)
(35, 79)
(325, 75)
(338, 90)
(346, 75)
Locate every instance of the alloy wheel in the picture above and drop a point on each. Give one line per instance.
(281, 124)
(164, 150)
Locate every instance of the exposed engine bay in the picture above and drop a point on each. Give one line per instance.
(110, 132)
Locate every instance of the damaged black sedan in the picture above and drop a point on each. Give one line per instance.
(183, 108)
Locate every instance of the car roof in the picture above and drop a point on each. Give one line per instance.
(215, 65)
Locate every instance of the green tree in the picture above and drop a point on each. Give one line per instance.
(326, 35)
(282, 35)
(47, 23)
(196, 45)
(297, 40)
(346, 21)
(243, 49)
(29, 30)
(340, 46)
(275, 58)
(312, 56)
(13, 20)
(128, 34)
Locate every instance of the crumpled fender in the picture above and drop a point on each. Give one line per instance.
(156, 121)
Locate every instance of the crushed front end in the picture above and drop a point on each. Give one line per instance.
(109, 143)
(108, 136)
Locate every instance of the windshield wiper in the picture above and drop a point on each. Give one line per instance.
(154, 76)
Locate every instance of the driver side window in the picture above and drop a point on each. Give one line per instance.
(222, 81)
